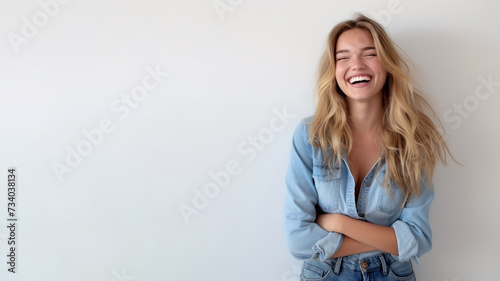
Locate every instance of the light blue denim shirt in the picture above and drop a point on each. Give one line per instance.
(313, 188)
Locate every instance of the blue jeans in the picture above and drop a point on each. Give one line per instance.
(382, 267)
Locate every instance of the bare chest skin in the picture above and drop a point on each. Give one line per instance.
(364, 154)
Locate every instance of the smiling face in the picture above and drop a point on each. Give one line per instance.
(358, 71)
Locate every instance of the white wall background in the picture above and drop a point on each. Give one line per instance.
(115, 215)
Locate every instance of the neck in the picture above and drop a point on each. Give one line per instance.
(365, 116)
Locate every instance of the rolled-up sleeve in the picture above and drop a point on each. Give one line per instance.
(413, 230)
(305, 239)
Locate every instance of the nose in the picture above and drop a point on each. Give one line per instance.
(357, 63)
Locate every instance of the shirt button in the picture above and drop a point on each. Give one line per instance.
(364, 265)
(367, 183)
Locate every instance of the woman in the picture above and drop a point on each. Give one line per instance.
(359, 182)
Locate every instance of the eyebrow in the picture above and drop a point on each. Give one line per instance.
(347, 51)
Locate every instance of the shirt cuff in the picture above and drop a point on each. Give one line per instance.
(326, 247)
(407, 244)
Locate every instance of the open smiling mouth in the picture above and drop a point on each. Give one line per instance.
(359, 80)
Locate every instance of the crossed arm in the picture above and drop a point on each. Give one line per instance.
(359, 236)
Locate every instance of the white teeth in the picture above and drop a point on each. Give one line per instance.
(359, 78)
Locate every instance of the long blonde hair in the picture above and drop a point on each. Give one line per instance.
(411, 141)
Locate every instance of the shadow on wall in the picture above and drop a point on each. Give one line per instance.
(455, 69)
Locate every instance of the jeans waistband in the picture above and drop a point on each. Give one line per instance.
(372, 263)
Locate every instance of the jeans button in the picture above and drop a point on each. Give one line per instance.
(364, 264)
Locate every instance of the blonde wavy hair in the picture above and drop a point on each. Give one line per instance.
(411, 140)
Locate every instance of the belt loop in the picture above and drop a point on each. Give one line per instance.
(336, 270)
(384, 264)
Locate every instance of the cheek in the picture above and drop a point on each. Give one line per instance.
(339, 74)
(382, 72)
(377, 67)
(341, 83)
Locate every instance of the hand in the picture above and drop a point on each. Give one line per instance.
(331, 222)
